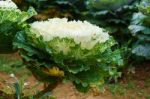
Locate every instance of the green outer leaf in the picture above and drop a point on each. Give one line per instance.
(136, 29)
(142, 50)
(144, 7)
(80, 88)
(138, 18)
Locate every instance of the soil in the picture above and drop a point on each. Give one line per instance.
(62, 91)
(142, 73)
(68, 91)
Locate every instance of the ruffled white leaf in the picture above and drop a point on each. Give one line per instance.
(82, 32)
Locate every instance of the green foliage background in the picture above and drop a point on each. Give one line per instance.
(140, 29)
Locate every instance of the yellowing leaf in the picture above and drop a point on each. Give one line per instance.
(54, 71)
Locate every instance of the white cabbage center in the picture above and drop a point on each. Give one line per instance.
(82, 32)
(7, 4)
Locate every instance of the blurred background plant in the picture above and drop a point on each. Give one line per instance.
(140, 29)
(12, 20)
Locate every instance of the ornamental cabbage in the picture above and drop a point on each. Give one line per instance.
(11, 21)
(76, 51)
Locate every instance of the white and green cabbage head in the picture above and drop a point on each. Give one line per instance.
(63, 34)
(11, 21)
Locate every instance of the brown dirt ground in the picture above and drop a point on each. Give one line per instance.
(67, 91)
